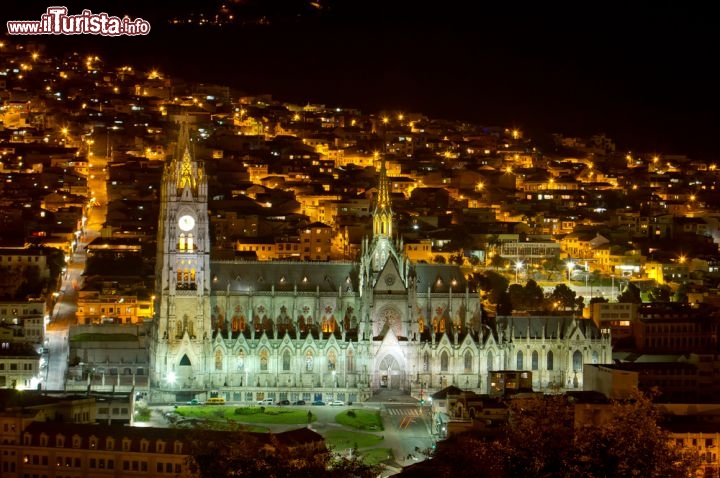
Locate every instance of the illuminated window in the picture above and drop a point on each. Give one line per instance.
(264, 359)
(308, 361)
(218, 360)
(577, 361)
(332, 359)
(241, 360)
(350, 361)
(286, 361)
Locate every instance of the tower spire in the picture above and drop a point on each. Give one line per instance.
(183, 141)
(383, 215)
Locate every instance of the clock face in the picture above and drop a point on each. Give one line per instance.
(390, 280)
(186, 222)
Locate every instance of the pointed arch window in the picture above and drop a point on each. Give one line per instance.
(264, 359)
(286, 361)
(490, 360)
(331, 360)
(350, 360)
(519, 361)
(468, 362)
(550, 360)
(309, 361)
(595, 357)
(182, 243)
(218, 360)
(190, 245)
(577, 361)
(444, 361)
(426, 362)
(241, 360)
(534, 360)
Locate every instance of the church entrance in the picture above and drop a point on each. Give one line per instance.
(184, 374)
(391, 373)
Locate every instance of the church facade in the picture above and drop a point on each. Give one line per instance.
(247, 331)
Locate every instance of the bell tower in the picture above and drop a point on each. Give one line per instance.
(181, 329)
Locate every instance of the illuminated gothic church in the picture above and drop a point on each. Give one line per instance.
(321, 330)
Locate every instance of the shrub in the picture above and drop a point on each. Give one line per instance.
(351, 413)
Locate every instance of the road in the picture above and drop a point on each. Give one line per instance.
(64, 311)
(407, 431)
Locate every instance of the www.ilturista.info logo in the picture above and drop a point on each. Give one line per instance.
(56, 21)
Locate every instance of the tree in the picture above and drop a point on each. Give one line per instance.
(504, 304)
(517, 296)
(661, 293)
(457, 259)
(563, 296)
(497, 261)
(528, 297)
(631, 294)
(544, 438)
(238, 453)
(631, 442)
(598, 300)
(439, 259)
(492, 283)
(534, 295)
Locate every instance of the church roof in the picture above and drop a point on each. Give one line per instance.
(547, 326)
(440, 278)
(285, 276)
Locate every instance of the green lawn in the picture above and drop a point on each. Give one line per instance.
(142, 414)
(270, 415)
(340, 439)
(373, 456)
(360, 419)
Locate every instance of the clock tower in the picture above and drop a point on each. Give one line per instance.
(181, 330)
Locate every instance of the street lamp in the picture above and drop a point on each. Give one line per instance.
(570, 267)
(518, 266)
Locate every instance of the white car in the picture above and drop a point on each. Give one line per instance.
(267, 401)
(337, 403)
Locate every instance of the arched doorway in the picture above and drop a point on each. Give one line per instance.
(391, 373)
(184, 373)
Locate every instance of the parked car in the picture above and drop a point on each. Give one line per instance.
(194, 401)
(337, 403)
(299, 402)
(318, 403)
(267, 401)
(284, 402)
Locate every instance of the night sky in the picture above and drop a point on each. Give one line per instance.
(641, 74)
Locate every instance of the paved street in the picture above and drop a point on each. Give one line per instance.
(64, 310)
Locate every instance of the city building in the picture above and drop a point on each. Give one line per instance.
(249, 330)
(98, 450)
